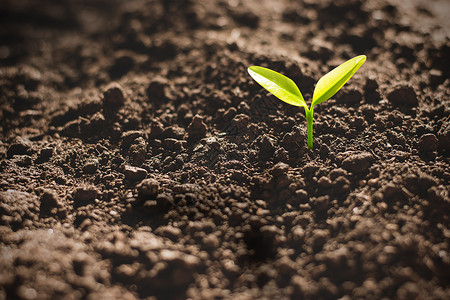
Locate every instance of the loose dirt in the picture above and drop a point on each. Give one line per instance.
(139, 160)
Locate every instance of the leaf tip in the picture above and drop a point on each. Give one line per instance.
(361, 59)
(251, 70)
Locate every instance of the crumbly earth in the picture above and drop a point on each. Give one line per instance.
(139, 160)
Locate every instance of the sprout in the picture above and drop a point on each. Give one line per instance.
(286, 90)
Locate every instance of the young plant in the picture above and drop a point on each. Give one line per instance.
(286, 90)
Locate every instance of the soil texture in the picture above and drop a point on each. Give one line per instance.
(139, 160)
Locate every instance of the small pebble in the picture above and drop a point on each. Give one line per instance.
(298, 234)
(428, 143)
(403, 95)
(148, 187)
(321, 203)
(46, 153)
(373, 182)
(357, 163)
(174, 131)
(280, 169)
(134, 173)
(19, 147)
(113, 96)
(23, 160)
(267, 146)
(425, 181)
(157, 90)
(197, 128)
(324, 182)
(91, 166)
(49, 199)
(211, 241)
(335, 173)
(85, 195)
(319, 238)
(302, 196)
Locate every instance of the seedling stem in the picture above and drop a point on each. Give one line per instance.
(309, 125)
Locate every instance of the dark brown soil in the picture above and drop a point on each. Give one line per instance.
(139, 160)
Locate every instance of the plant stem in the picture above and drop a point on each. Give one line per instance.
(309, 126)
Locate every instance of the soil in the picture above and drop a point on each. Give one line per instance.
(139, 160)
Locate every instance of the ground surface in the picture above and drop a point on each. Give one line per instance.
(139, 159)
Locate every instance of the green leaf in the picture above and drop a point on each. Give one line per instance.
(279, 85)
(332, 82)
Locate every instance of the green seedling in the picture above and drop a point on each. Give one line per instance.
(286, 90)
